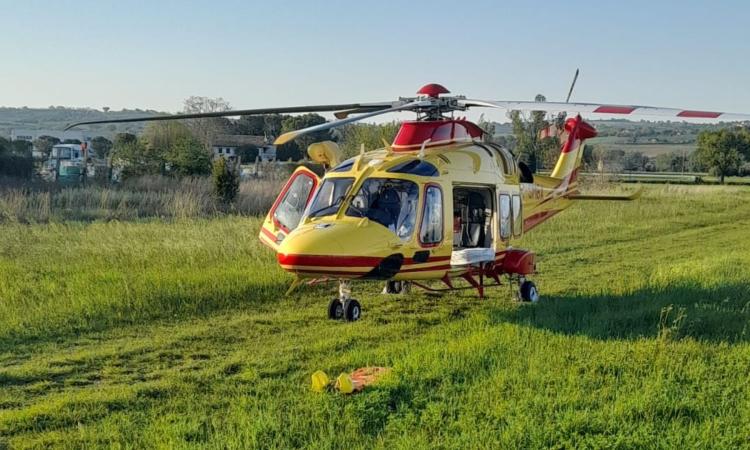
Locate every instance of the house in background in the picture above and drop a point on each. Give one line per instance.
(227, 146)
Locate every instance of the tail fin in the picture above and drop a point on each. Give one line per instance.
(571, 153)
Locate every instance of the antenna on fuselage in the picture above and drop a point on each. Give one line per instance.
(561, 116)
(572, 85)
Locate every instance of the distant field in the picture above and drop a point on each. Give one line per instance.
(647, 149)
(177, 334)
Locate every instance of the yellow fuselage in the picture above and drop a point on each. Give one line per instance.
(337, 245)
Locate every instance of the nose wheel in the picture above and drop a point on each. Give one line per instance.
(350, 310)
(344, 307)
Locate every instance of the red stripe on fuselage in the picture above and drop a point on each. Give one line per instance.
(344, 261)
(329, 272)
(538, 218)
(328, 260)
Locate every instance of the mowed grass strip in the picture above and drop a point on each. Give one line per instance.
(178, 335)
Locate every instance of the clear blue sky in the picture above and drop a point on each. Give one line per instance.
(153, 54)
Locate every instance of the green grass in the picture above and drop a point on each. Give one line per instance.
(177, 334)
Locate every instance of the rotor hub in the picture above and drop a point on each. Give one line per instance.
(433, 90)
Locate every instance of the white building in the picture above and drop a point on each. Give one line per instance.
(226, 145)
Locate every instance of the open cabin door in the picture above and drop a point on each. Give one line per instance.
(286, 212)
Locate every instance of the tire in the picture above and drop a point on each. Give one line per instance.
(335, 309)
(529, 292)
(352, 310)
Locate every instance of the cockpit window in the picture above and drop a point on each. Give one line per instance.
(415, 167)
(389, 202)
(344, 166)
(329, 197)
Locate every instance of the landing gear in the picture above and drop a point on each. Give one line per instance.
(528, 291)
(352, 310)
(397, 287)
(335, 309)
(344, 307)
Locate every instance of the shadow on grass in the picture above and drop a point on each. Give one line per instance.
(720, 314)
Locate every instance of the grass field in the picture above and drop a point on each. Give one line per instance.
(177, 334)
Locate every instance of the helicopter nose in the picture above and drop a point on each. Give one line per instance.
(340, 250)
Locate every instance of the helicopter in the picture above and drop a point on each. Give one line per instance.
(438, 203)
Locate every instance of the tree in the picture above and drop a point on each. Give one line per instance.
(488, 128)
(723, 151)
(179, 151)
(21, 148)
(135, 157)
(206, 129)
(530, 147)
(351, 137)
(101, 146)
(44, 144)
(226, 180)
(188, 157)
(297, 148)
(634, 161)
(250, 125)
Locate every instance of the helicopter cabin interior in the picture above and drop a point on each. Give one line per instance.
(473, 234)
(480, 217)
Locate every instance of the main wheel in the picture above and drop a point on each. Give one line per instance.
(335, 309)
(352, 310)
(529, 292)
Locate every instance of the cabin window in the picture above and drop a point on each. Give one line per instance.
(389, 202)
(508, 162)
(517, 216)
(289, 211)
(415, 167)
(344, 166)
(505, 213)
(329, 197)
(431, 229)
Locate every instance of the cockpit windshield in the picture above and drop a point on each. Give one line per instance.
(389, 202)
(329, 197)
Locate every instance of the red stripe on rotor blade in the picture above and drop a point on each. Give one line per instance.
(699, 114)
(608, 109)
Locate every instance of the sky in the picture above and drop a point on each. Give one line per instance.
(154, 54)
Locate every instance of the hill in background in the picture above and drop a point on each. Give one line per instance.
(649, 138)
(58, 117)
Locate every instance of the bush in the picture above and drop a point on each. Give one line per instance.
(226, 180)
(16, 165)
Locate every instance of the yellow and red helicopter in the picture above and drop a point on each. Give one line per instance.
(438, 203)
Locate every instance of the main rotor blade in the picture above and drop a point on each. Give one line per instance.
(599, 108)
(346, 113)
(239, 112)
(288, 136)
